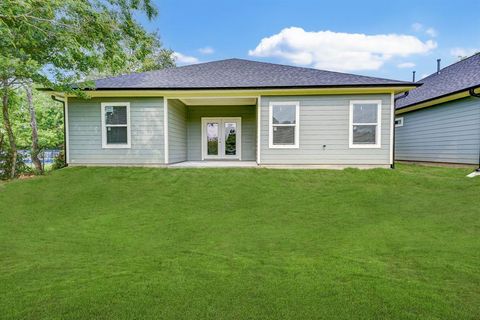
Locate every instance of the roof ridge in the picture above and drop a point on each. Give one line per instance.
(249, 61)
(240, 73)
(158, 70)
(450, 65)
(314, 69)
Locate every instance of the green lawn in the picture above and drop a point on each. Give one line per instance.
(134, 243)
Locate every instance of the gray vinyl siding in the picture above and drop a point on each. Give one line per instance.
(177, 131)
(194, 128)
(85, 135)
(448, 132)
(324, 120)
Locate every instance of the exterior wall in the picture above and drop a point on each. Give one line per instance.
(177, 131)
(85, 135)
(194, 129)
(448, 132)
(324, 120)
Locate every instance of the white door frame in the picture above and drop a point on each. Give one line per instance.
(221, 135)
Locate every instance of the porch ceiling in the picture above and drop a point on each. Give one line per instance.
(220, 101)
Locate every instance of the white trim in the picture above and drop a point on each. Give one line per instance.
(105, 145)
(297, 125)
(221, 133)
(202, 138)
(378, 131)
(67, 135)
(183, 93)
(392, 128)
(165, 129)
(400, 120)
(259, 127)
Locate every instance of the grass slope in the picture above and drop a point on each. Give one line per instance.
(132, 243)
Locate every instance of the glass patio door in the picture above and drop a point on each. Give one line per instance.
(221, 138)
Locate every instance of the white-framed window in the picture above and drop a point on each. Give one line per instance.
(115, 124)
(399, 122)
(284, 118)
(365, 123)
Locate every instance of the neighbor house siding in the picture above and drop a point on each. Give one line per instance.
(85, 135)
(448, 132)
(177, 131)
(324, 132)
(194, 129)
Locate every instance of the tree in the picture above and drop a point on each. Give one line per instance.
(55, 43)
(49, 118)
(33, 124)
(158, 58)
(8, 128)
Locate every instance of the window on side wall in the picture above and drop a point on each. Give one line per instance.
(399, 122)
(365, 124)
(284, 124)
(115, 125)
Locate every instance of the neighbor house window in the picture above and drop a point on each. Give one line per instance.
(284, 124)
(365, 119)
(116, 125)
(399, 122)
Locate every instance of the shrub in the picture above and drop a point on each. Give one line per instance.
(59, 161)
(6, 165)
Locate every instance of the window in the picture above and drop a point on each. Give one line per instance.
(116, 125)
(399, 122)
(365, 124)
(284, 124)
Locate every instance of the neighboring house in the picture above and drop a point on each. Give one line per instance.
(440, 120)
(234, 109)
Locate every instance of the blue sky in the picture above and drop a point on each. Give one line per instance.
(378, 38)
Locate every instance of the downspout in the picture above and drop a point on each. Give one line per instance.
(404, 95)
(476, 95)
(54, 98)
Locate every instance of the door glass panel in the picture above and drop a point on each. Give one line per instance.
(212, 139)
(230, 138)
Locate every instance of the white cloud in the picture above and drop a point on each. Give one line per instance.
(431, 32)
(463, 52)
(206, 50)
(406, 65)
(339, 51)
(418, 27)
(184, 59)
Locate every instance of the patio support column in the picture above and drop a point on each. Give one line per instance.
(259, 111)
(165, 128)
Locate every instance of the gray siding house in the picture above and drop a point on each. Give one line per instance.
(440, 120)
(234, 110)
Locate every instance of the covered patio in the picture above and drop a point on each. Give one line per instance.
(214, 164)
(211, 131)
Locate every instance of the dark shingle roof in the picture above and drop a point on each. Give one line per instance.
(238, 73)
(460, 76)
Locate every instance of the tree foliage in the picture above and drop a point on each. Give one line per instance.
(49, 119)
(57, 42)
(54, 43)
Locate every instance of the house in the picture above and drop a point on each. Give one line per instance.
(237, 110)
(440, 120)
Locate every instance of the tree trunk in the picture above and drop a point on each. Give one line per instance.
(8, 128)
(33, 125)
(1, 141)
